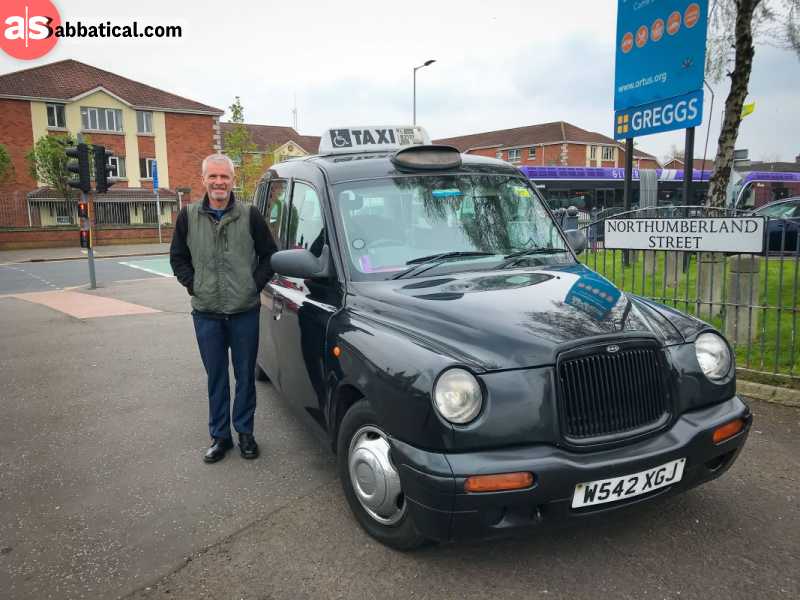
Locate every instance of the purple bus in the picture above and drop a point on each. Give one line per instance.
(600, 188)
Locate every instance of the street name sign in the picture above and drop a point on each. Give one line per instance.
(723, 234)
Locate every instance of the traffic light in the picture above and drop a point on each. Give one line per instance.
(79, 167)
(83, 210)
(102, 169)
(86, 239)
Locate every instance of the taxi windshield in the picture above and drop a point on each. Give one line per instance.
(440, 224)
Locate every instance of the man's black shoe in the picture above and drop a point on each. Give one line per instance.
(247, 445)
(217, 450)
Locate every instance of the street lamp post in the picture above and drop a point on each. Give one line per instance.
(425, 64)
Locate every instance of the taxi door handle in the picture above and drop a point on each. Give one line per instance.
(277, 307)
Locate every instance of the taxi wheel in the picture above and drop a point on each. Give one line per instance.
(371, 482)
(261, 375)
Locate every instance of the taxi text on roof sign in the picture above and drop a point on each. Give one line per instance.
(369, 139)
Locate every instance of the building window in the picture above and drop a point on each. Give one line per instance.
(499, 155)
(101, 119)
(608, 152)
(531, 153)
(144, 121)
(146, 168)
(117, 164)
(592, 152)
(513, 155)
(55, 116)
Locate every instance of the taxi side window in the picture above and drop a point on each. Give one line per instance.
(276, 208)
(306, 224)
(260, 199)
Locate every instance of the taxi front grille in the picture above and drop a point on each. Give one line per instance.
(611, 395)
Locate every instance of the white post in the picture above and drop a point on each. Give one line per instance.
(158, 216)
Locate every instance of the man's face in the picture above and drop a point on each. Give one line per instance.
(218, 180)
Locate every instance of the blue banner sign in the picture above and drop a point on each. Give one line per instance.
(155, 175)
(665, 115)
(660, 50)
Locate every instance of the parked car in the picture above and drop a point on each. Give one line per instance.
(783, 224)
(431, 319)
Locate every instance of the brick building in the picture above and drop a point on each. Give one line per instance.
(275, 143)
(550, 144)
(698, 164)
(140, 124)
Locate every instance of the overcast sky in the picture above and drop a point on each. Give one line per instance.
(498, 65)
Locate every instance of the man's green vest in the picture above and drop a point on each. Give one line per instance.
(224, 260)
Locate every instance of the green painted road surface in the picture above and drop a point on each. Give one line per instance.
(156, 266)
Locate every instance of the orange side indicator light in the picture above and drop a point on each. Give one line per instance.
(499, 482)
(728, 430)
(336, 351)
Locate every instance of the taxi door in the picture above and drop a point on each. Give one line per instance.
(302, 309)
(273, 202)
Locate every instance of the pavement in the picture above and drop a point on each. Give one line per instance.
(103, 493)
(75, 252)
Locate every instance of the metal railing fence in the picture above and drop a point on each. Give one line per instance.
(128, 212)
(751, 298)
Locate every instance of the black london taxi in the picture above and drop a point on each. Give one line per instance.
(472, 377)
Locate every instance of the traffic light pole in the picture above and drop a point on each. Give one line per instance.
(92, 280)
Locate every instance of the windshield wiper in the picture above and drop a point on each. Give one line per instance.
(531, 251)
(512, 259)
(423, 263)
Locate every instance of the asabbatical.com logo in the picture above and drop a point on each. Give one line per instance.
(26, 27)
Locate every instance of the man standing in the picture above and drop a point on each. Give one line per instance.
(220, 253)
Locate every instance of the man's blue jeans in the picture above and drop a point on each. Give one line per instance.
(215, 337)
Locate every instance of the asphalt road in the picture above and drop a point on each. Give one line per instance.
(55, 275)
(103, 493)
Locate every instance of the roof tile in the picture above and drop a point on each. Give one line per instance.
(531, 135)
(66, 79)
(267, 137)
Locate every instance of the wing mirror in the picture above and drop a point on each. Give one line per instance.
(576, 239)
(301, 263)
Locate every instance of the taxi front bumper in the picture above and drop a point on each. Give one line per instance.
(433, 483)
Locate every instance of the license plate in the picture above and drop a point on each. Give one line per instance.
(627, 486)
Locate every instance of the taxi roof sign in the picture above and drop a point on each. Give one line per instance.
(344, 140)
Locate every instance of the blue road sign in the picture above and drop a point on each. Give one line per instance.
(155, 175)
(679, 112)
(661, 50)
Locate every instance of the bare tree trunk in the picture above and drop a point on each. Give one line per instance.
(740, 77)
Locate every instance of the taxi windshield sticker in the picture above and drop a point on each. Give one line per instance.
(521, 191)
(447, 193)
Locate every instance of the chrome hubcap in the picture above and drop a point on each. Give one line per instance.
(375, 481)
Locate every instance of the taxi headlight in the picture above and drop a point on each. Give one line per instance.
(713, 355)
(457, 396)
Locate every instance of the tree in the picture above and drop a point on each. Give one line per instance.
(47, 162)
(674, 152)
(239, 146)
(6, 165)
(733, 27)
